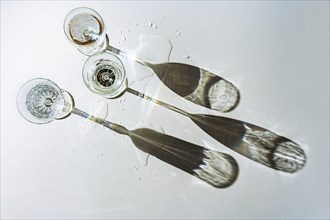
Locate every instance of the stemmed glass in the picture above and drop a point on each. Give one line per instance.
(41, 101)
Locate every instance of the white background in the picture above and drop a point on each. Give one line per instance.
(277, 53)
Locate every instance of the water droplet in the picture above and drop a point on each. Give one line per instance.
(101, 155)
(155, 26)
(124, 38)
(178, 34)
(128, 30)
(186, 56)
(150, 24)
(136, 24)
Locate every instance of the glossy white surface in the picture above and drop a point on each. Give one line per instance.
(277, 53)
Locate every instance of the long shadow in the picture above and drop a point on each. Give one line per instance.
(251, 141)
(218, 169)
(197, 85)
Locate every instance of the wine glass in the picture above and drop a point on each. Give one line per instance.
(105, 74)
(85, 29)
(41, 101)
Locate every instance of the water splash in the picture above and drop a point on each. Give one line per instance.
(147, 46)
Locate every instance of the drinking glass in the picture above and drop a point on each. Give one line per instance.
(85, 29)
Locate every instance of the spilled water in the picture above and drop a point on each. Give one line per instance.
(144, 82)
(154, 48)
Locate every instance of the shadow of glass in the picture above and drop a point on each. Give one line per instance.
(197, 85)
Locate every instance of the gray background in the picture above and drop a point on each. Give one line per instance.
(277, 53)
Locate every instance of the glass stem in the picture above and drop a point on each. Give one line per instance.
(124, 54)
(171, 107)
(113, 126)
